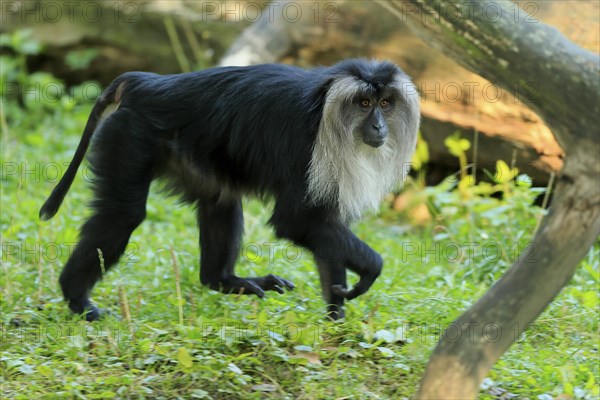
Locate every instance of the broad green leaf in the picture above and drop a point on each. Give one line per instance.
(504, 173)
(184, 358)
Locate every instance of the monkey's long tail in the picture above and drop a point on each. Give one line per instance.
(112, 94)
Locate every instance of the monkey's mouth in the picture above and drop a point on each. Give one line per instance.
(374, 142)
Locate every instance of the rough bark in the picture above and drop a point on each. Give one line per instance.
(273, 36)
(287, 26)
(560, 82)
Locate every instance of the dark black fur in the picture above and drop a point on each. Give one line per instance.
(214, 136)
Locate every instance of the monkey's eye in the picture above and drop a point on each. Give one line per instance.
(365, 103)
(384, 103)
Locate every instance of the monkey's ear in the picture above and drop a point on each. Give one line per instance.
(319, 92)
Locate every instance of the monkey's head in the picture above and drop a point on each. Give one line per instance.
(367, 135)
(373, 101)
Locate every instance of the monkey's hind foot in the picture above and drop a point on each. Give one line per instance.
(87, 310)
(257, 286)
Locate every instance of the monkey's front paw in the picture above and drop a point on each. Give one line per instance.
(335, 312)
(345, 293)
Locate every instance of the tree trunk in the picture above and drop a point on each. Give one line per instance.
(559, 81)
(286, 24)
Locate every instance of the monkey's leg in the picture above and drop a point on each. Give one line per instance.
(103, 240)
(221, 227)
(332, 274)
(122, 179)
(334, 247)
(366, 263)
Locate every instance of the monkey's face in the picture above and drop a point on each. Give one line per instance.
(374, 114)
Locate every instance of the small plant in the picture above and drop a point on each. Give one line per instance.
(458, 147)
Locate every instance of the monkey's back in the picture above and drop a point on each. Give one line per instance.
(231, 127)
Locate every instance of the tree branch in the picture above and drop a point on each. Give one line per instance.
(560, 82)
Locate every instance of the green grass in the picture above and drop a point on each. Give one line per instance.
(227, 346)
